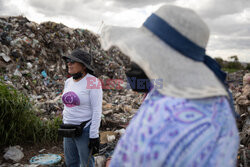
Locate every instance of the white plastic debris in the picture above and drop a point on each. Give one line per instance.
(42, 150)
(29, 65)
(17, 73)
(5, 57)
(120, 131)
(32, 165)
(100, 161)
(110, 138)
(14, 153)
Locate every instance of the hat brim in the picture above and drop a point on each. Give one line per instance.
(181, 76)
(80, 61)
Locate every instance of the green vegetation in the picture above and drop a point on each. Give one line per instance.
(19, 123)
(248, 67)
(231, 66)
(230, 70)
(220, 61)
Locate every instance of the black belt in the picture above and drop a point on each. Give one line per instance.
(71, 130)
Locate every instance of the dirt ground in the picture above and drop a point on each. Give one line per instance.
(33, 150)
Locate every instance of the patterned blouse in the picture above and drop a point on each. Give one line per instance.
(179, 132)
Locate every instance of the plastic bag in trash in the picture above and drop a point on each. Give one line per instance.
(14, 153)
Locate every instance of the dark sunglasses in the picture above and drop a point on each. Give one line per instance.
(70, 61)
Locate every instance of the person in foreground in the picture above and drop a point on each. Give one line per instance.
(82, 112)
(189, 121)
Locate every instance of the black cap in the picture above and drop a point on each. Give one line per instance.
(81, 56)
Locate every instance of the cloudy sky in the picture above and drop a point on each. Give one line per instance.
(229, 20)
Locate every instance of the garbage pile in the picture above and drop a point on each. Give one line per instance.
(31, 61)
(240, 86)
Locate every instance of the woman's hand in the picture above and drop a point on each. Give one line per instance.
(94, 145)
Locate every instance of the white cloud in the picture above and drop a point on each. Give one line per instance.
(7, 10)
(139, 3)
(130, 18)
(215, 8)
(229, 23)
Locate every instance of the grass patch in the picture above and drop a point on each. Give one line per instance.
(230, 70)
(18, 121)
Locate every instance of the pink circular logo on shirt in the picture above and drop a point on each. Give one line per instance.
(70, 99)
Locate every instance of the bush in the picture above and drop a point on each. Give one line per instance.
(234, 65)
(248, 67)
(18, 122)
(220, 61)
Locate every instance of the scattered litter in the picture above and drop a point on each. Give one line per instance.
(13, 153)
(46, 159)
(5, 57)
(42, 150)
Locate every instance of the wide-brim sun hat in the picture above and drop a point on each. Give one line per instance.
(81, 56)
(170, 46)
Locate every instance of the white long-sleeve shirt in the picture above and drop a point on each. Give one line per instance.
(83, 102)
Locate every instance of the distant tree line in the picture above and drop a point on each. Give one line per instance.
(233, 64)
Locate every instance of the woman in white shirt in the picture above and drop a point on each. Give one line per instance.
(82, 106)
